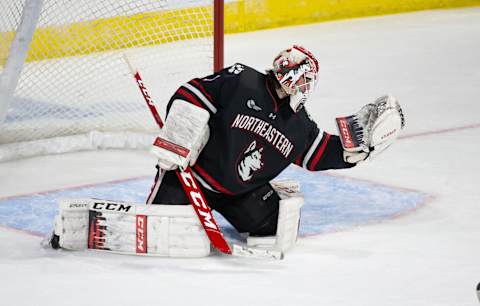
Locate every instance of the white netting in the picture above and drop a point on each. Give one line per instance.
(75, 81)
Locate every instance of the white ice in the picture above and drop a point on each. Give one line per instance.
(430, 60)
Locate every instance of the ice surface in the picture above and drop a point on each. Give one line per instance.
(429, 61)
(332, 203)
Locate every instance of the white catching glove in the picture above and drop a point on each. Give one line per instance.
(183, 136)
(371, 130)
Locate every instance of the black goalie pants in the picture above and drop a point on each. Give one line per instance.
(255, 212)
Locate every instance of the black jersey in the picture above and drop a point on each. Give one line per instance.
(254, 135)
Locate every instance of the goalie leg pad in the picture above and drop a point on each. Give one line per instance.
(71, 226)
(291, 201)
(138, 229)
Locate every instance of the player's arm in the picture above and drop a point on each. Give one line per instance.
(186, 129)
(324, 151)
(195, 92)
(206, 92)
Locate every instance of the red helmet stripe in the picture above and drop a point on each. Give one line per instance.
(309, 55)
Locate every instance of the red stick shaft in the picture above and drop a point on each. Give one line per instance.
(148, 99)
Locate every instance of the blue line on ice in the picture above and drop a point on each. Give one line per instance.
(331, 203)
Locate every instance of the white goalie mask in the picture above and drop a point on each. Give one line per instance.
(296, 69)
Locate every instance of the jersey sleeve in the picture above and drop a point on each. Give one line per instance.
(324, 151)
(205, 92)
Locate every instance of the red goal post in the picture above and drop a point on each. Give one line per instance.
(64, 85)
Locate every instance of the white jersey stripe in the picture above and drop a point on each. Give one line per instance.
(202, 97)
(312, 149)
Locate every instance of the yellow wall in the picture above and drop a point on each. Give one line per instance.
(250, 15)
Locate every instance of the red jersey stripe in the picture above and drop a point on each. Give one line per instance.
(320, 152)
(189, 97)
(211, 180)
(199, 86)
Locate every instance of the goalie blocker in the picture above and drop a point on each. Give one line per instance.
(163, 230)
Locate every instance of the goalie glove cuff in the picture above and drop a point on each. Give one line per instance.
(355, 157)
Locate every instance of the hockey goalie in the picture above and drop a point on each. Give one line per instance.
(237, 130)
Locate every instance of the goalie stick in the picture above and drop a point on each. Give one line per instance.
(192, 190)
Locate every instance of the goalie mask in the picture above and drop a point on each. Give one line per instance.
(296, 69)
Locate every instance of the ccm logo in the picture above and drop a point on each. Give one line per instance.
(141, 234)
(144, 90)
(198, 200)
(344, 130)
(111, 206)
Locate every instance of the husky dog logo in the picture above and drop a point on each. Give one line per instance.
(251, 161)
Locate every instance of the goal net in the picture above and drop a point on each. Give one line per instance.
(75, 91)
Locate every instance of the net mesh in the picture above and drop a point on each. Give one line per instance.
(75, 79)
